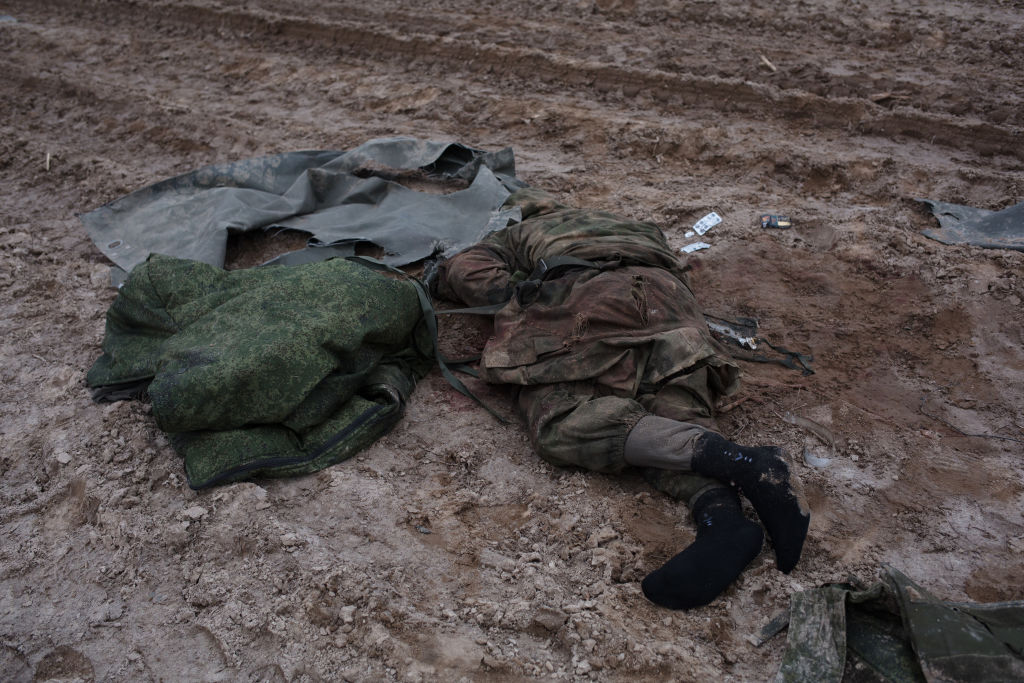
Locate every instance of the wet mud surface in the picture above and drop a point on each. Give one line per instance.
(835, 114)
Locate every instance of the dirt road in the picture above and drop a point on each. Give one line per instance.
(834, 113)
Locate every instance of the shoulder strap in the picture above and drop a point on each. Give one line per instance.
(490, 309)
(548, 268)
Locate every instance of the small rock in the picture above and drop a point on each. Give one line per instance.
(601, 536)
(491, 661)
(490, 558)
(290, 540)
(63, 457)
(194, 513)
(550, 619)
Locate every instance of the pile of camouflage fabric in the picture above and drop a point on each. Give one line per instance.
(897, 631)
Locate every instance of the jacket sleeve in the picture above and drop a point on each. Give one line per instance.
(487, 272)
(478, 276)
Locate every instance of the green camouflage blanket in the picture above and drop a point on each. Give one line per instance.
(272, 371)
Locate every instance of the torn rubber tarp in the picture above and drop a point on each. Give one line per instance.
(899, 632)
(318, 192)
(979, 227)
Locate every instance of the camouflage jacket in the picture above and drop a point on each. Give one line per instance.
(629, 324)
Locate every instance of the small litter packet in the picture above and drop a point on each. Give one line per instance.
(769, 220)
(704, 224)
(690, 248)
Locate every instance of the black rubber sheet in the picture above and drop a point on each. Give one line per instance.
(961, 224)
(331, 195)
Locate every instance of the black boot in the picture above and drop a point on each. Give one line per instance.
(763, 477)
(726, 543)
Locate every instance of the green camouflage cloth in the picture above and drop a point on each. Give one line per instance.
(597, 348)
(272, 371)
(897, 631)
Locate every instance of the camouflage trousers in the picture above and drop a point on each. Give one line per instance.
(580, 424)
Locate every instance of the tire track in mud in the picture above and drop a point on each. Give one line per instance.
(182, 122)
(104, 113)
(61, 90)
(526, 68)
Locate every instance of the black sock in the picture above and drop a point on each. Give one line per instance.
(726, 543)
(763, 477)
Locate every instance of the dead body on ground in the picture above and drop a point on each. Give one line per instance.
(595, 325)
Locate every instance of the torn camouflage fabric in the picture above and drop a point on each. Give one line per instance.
(900, 632)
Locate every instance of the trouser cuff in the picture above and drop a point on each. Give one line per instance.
(662, 443)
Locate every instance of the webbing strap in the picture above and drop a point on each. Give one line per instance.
(489, 309)
(547, 268)
(431, 321)
(792, 359)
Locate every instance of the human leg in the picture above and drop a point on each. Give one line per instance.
(726, 543)
(570, 426)
(759, 473)
(763, 477)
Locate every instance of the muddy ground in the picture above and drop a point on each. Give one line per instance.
(835, 113)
